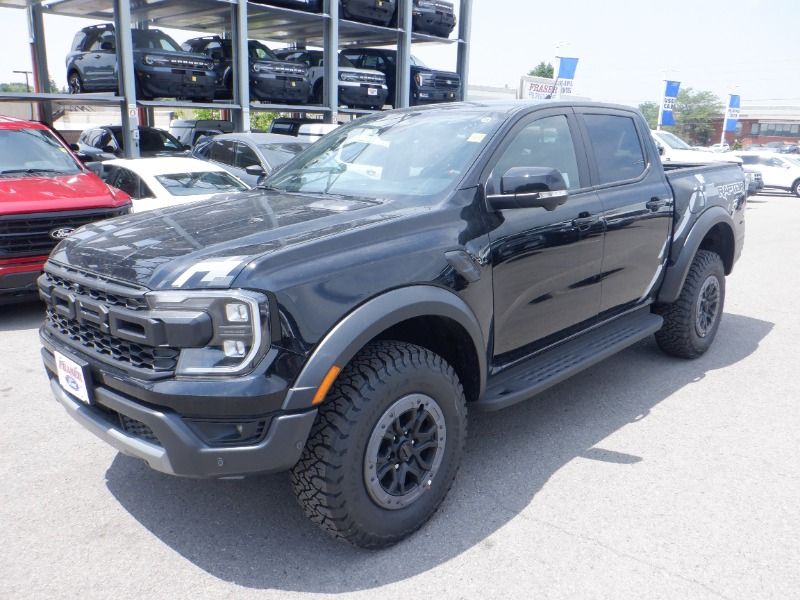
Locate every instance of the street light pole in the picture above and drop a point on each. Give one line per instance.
(27, 83)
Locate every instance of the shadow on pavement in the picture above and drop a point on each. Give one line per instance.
(252, 533)
(28, 314)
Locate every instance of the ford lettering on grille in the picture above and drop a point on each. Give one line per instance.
(62, 233)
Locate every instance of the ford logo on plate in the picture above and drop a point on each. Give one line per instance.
(61, 233)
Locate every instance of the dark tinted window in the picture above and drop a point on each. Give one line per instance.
(750, 160)
(153, 39)
(105, 37)
(245, 156)
(77, 41)
(616, 145)
(224, 152)
(546, 142)
(128, 182)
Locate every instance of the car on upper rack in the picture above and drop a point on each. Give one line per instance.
(314, 6)
(376, 12)
(250, 156)
(271, 79)
(46, 193)
(778, 171)
(161, 68)
(435, 17)
(342, 319)
(106, 142)
(160, 182)
(427, 85)
(358, 88)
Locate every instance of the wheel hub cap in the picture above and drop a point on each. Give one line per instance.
(404, 451)
(707, 306)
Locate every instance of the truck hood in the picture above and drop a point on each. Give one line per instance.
(207, 244)
(80, 191)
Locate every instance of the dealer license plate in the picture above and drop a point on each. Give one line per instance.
(194, 77)
(372, 92)
(72, 377)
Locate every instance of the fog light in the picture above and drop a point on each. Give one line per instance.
(237, 313)
(234, 348)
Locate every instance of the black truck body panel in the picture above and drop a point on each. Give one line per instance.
(339, 271)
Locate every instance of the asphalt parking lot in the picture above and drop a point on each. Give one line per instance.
(644, 477)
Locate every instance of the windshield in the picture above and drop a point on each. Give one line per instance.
(672, 140)
(278, 155)
(261, 52)
(153, 39)
(417, 62)
(399, 154)
(201, 183)
(152, 140)
(34, 151)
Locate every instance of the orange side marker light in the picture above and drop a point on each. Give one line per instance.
(322, 391)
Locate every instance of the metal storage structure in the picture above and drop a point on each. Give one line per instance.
(241, 20)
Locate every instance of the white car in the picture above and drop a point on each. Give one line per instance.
(674, 149)
(165, 181)
(779, 171)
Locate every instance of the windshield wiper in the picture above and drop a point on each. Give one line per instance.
(29, 171)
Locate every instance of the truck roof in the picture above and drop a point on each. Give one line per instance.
(14, 123)
(514, 106)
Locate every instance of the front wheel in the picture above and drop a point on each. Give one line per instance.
(691, 322)
(75, 83)
(385, 447)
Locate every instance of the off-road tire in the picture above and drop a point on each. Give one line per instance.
(329, 479)
(679, 336)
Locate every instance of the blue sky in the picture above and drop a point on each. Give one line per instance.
(626, 48)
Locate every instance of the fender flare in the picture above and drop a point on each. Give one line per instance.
(359, 326)
(677, 272)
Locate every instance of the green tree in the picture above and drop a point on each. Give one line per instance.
(13, 88)
(260, 121)
(694, 111)
(542, 70)
(650, 112)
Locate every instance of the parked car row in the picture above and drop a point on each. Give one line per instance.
(778, 171)
(434, 17)
(201, 69)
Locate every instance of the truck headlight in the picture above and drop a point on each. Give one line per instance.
(240, 329)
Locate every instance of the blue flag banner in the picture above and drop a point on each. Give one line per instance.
(732, 116)
(567, 67)
(668, 104)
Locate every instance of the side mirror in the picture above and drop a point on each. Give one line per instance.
(255, 171)
(107, 47)
(660, 149)
(75, 147)
(530, 187)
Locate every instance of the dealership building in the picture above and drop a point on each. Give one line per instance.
(764, 122)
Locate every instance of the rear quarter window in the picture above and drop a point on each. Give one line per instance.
(617, 148)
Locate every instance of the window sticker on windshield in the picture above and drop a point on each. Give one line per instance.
(476, 138)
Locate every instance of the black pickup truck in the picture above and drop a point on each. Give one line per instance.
(340, 320)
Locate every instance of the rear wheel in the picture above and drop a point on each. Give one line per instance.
(691, 322)
(796, 188)
(385, 447)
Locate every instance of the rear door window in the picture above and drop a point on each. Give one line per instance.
(245, 156)
(128, 182)
(224, 151)
(617, 148)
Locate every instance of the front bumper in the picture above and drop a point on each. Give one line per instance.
(358, 95)
(279, 88)
(435, 96)
(170, 443)
(434, 22)
(379, 12)
(165, 82)
(18, 277)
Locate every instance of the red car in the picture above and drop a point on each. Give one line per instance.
(45, 194)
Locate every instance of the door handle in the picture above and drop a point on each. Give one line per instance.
(655, 203)
(585, 221)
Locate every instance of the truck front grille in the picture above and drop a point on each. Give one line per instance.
(448, 82)
(35, 234)
(81, 308)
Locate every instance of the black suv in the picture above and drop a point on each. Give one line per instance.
(433, 16)
(378, 12)
(162, 69)
(100, 143)
(306, 5)
(271, 79)
(427, 85)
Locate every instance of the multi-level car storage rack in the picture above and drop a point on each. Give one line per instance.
(240, 20)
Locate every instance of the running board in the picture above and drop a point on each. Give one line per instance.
(553, 366)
